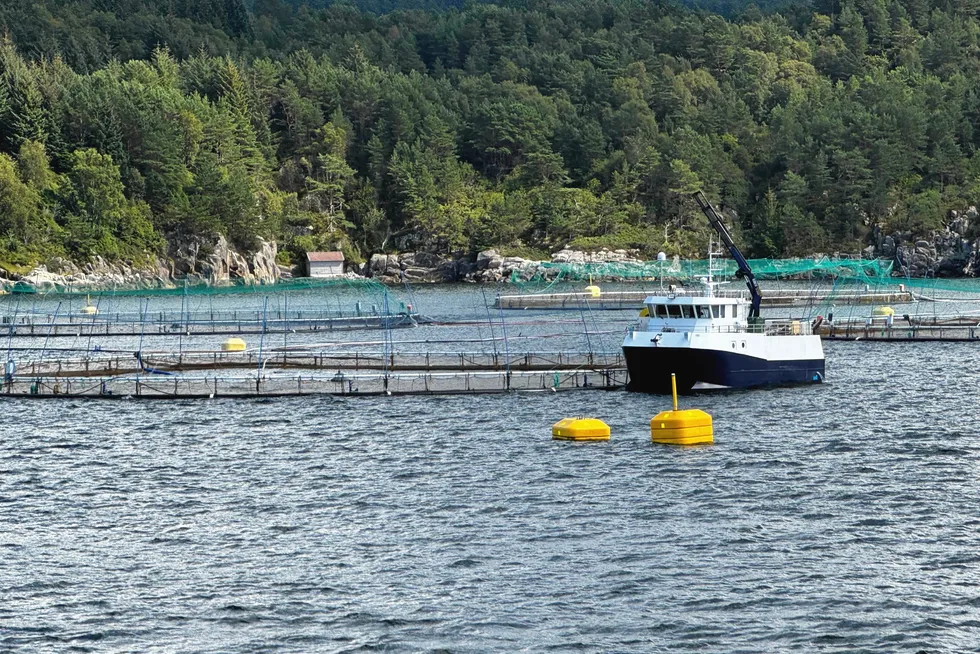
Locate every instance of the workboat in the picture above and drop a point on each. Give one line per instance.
(712, 340)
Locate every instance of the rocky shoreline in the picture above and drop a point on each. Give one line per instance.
(190, 260)
(217, 264)
(951, 252)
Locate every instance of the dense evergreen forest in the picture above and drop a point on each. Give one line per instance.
(525, 125)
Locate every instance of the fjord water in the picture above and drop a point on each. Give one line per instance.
(837, 517)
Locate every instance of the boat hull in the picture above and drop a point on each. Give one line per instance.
(650, 369)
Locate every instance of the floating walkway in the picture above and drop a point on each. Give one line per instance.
(343, 384)
(900, 330)
(197, 324)
(633, 300)
(428, 362)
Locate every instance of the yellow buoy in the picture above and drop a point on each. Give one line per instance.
(592, 288)
(686, 427)
(233, 345)
(883, 311)
(580, 429)
(644, 312)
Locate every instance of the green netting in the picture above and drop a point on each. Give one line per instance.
(868, 270)
(194, 287)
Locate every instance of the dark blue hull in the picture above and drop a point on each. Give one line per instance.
(650, 369)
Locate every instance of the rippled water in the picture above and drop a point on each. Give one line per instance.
(840, 517)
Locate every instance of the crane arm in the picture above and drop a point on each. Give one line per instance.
(743, 266)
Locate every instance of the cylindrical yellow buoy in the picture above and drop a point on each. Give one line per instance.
(883, 312)
(580, 429)
(685, 427)
(594, 290)
(233, 345)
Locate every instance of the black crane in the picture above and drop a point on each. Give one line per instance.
(744, 272)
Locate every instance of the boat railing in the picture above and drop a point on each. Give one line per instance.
(694, 292)
(769, 328)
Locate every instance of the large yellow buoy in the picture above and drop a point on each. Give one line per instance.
(580, 429)
(233, 345)
(883, 312)
(685, 427)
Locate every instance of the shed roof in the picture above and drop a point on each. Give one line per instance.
(325, 256)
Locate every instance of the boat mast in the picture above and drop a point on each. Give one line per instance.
(711, 267)
(744, 271)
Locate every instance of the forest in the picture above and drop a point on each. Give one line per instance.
(523, 125)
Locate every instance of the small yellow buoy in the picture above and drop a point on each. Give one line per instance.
(687, 427)
(592, 288)
(580, 429)
(233, 345)
(883, 311)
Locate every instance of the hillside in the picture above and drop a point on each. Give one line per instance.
(524, 126)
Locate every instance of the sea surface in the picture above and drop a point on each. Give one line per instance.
(842, 517)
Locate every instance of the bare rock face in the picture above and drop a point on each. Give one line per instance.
(568, 255)
(488, 266)
(211, 260)
(263, 263)
(214, 261)
(948, 252)
(97, 274)
(489, 260)
(382, 265)
(415, 267)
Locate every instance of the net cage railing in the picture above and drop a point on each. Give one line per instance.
(164, 362)
(148, 386)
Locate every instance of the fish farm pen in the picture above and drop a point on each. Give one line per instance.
(901, 330)
(166, 362)
(97, 346)
(106, 354)
(625, 300)
(178, 387)
(31, 325)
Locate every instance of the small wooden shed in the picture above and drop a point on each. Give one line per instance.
(325, 264)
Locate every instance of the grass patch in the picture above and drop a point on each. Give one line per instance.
(16, 268)
(524, 252)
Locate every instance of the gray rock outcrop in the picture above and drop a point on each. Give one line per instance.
(215, 261)
(949, 252)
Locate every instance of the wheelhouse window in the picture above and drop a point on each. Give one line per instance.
(702, 311)
(673, 311)
(687, 311)
(734, 311)
(661, 311)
